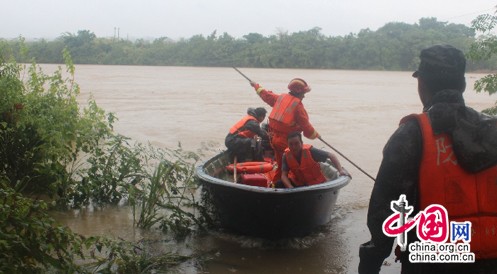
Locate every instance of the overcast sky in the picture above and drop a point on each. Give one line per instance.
(185, 18)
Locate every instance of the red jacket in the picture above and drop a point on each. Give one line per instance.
(308, 172)
(288, 114)
(466, 196)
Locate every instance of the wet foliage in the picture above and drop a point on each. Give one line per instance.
(52, 148)
(166, 194)
(485, 48)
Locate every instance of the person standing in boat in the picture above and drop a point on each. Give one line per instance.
(300, 164)
(445, 156)
(287, 115)
(241, 140)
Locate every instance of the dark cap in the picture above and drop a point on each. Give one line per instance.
(260, 111)
(257, 112)
(441, 61)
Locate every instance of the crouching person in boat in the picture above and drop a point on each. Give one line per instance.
(300, 164)
(242, 141)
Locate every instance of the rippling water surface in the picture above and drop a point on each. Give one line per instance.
(354, 111)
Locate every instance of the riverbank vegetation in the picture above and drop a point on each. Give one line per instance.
(395, 46)
(55, 154)
(485, 48)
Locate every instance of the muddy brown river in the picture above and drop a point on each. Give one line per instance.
(354, 111)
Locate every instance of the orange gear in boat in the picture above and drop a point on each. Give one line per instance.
(251, 167)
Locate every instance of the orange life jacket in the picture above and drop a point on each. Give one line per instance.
(238, 127)
(282, 116)
(308, 172)
(251, 167)
(466, 196)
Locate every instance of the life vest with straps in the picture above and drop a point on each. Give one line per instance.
(239, 128)
(308, 172)
(282, 116)
(466, 196)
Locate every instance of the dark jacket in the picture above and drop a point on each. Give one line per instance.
(474, 137)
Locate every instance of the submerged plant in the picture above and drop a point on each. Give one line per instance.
(166, 196)
(31, 241)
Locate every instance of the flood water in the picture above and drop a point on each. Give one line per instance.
(354, 111)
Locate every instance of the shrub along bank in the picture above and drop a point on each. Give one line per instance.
(51, 147)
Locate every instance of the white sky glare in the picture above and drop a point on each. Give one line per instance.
(184, 18)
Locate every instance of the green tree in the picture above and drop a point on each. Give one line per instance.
(43, 136)
(81, 46)
(484, 48)
(394, 46)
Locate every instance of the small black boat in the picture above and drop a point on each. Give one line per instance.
(268, 212)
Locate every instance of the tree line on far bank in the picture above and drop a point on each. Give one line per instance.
(395, 46)
(69, 153)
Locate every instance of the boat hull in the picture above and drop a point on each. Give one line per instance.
(266, 212)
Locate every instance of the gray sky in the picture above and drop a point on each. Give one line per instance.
(185, 18)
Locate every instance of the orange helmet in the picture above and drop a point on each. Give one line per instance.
(298, 85)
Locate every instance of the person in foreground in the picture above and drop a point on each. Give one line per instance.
(287, 115)
(447, 155)
(300, 164)
(241, 141)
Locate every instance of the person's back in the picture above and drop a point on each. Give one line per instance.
(241, 141)
(458, 171)
(447, 155)
(287, 115)
(282, 118)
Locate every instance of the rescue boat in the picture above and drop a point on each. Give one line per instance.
(246, 204)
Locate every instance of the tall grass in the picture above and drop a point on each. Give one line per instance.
(166, 197)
